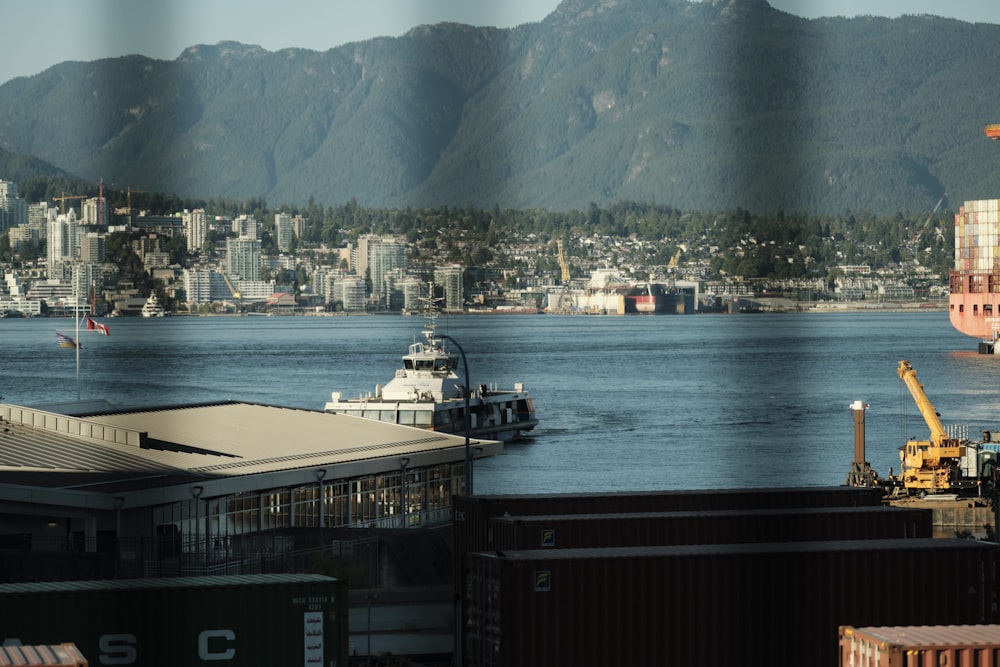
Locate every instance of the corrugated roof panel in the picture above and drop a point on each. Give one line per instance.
(936, 635)
(216, 440)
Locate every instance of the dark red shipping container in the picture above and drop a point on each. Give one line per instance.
(716, 604)
(471, 514)
(571, 531)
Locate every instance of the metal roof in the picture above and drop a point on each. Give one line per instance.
(115, 451)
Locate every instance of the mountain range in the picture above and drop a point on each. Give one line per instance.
(696, 105)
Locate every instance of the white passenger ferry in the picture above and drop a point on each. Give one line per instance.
(428, 393)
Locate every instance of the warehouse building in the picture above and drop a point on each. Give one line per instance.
(160, 487)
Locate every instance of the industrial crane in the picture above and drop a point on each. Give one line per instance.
(563, 265)
(65, 197)
(929, 466)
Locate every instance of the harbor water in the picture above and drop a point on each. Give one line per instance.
(624, 403)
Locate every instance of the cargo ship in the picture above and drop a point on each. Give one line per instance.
(974, 282)
(651, 298)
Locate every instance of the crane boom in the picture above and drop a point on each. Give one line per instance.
(929, 466)
(930, 414)
(563, 264)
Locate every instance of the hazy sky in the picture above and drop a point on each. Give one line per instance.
(40, 33)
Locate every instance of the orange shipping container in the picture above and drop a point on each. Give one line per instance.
(56, 655)
(920, 646)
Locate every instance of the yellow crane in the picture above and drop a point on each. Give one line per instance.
(928, 466)
(235, 292)
(65, 197)
(563, 265)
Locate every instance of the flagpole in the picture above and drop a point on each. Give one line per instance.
(76, 317)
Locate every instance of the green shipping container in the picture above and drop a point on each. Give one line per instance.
(240, 620)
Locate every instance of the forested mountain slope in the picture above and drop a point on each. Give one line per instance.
(697, 105)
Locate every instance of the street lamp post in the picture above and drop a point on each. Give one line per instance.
(468, 417)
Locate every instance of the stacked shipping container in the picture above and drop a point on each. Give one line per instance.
(471, 514)
(701, 577)
(715, 604)
(277, 619)
(570, 531)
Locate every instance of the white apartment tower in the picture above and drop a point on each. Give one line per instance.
(63, 240)
(195, 228)
(94, 212)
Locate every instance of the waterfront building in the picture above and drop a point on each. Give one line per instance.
(198, 285)
(449, 278)
(350, 291)
(255, 290)
(151, 489)
(376, 257)
(413, 290)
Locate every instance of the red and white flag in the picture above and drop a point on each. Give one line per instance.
(97, 326)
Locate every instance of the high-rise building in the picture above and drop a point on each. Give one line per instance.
(350, 291)
(243, 258)
(245, 226)
(283, 231)
(449, 277)
(195, 228)
(94, 212)
(92, 248)
(63, 240)
(39, 216)
(13, 209)
(300, 226)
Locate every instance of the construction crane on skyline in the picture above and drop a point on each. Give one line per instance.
(563, 264)
(65, 197)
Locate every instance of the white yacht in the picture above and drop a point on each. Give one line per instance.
(152, 307)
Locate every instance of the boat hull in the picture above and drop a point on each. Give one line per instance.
(974, 282)
(976, 314)
(503, 416)
(651, 304)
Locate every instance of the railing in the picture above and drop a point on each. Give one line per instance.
(23, 558)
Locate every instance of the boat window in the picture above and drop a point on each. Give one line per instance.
(441, 364)
(424, 364)
(406, 417)
(408, 364)
(387, 416)
(422, 417)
